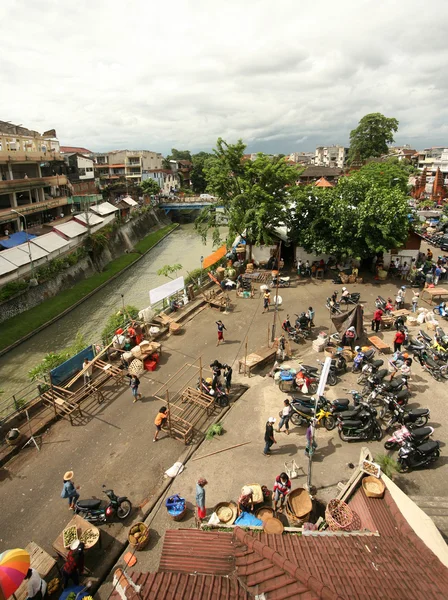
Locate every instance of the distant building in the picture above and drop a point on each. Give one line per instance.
(33, 178)
(182, 168)
(301, 158)
(312, 174)
(130, 164)
(331, 156)
(168, 181)
(426, 157)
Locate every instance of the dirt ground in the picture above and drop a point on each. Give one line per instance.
(114, 446)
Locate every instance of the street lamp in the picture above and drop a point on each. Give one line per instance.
(28, 240)
(200, 280)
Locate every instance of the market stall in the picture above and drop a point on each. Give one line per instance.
(77, 528)
(45, 565)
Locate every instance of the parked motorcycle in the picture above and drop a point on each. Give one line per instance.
(415, 436)
(441, 310)
(352, 298)
(281, 281)
(303, 325)
(417, 417)
(217, 392)
(370, 368)
(375, 383)
(333, 306)
(97, 511)
(390, 401)
(360, 428)
(301, 415)
(338, 365)
(431, 366)
(412, 457)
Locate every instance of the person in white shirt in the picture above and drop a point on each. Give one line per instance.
(285, 416)
(37, 587)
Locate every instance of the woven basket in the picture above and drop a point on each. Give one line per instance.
(143, 540)
(330, 351)
(369, 484)
(179, 516)
(299, 502)
(339, 515)
(136, 367)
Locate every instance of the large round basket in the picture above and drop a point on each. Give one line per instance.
(330, 351)
(299, 503)
(142, 532)
(339, 515)
(226, 512)
(136, 367)
(264, 513)
(373, 487)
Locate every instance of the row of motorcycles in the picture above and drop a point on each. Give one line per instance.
(378, 400)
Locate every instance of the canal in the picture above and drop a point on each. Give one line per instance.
(182, 246)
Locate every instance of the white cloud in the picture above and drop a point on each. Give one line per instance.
(283, 76)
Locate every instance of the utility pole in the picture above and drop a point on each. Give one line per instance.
(276, 292)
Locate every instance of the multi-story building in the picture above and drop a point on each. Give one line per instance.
(331, 156)
(33, 180)
(82, 184)
(301, 158)
(428, 156)
(168, 181)
(130, 164)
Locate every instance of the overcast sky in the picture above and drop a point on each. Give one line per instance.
(284, 76)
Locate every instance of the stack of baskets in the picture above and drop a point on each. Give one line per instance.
(339, 515)
(298, 506)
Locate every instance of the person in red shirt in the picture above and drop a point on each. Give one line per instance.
(282, 487)
(398, 340)
(376, 322)
(74, 564)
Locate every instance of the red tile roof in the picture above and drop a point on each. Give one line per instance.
(322, 182)
(194, 551)
(71, 149)
(180, 586)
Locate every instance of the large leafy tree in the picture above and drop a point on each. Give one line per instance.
(254, 194)
(150, 187)
(390, 173)
(176, 155)
(198, 181)
(372, 136)
(359, 217)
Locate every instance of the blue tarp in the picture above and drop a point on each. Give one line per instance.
(15, 239)
(70, 366)
(247, 519)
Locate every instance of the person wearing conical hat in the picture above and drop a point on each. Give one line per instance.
(69, 490)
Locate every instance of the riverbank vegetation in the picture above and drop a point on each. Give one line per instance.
(21, 325)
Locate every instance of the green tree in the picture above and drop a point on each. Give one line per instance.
(150, 187)
(357, 218)
(372, 136)
(390, 173)
(254, 194)
(176, 155)
(198, 180)
(168, 270)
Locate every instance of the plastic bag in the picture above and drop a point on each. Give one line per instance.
(177, 468)
(214, 519)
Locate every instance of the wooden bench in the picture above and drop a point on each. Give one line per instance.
(379, 344)
(65, 405)
(184, 418)
(256, 359)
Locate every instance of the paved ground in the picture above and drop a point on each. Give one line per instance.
(115, 446)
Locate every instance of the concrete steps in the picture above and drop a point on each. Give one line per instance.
(435, 507)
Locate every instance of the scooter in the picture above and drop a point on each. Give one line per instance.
(332, 378)
(352, 298)
(415, 436)
(360, 428)
(303, 325)
(391, 401)
(301, 415)
(217, 392)
(411, 457)
(370, 368)
(361, 359)
(417, 417)
(280, 281)
(438, 371)
(440, 310)
(97, 511)
(333, 307)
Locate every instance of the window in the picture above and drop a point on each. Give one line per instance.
(82, 172)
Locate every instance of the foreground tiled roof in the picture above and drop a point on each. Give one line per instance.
(195, 551)
(395, 564)
(180, 586)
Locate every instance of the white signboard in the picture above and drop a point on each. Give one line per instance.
(166, 290)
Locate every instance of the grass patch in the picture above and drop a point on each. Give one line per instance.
(23, 324)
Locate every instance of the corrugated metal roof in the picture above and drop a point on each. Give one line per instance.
(71, 229)
(194, 551)
(89, 217)
(106, 208)
(130, 201)
(180, 586)
(6, 266)
(50, 241)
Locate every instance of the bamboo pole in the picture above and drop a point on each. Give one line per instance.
(245, 357)
(169, 412)
(222, 450)
(78, 375)
(200, 373)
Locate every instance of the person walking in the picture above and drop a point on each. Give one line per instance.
(160, 421)
(74, 564)
(310, 316)
(221, 328)
(88, 371)
(398, 340)
(377, 318)
(228, 371)
(282, 487)
(69, 490)
(200, 498)
(281, 352)
(437, 273)
(415, 300)
(269, 439)
(285, 415)
(266, 300)
(134, 383)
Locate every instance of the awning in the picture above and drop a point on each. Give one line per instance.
(214, 257)
(15, 239)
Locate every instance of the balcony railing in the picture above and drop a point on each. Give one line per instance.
(87, 199)
(21, 185)
(7, 215)
(33, 156)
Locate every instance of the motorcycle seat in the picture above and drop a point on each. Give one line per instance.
(306, 410)
(369, 354)
(351, 423)
(348, 415)
(285, 279)
(425, 336)
(428, 447)
(402, 395)
(377, 363)
(418, 412)
(88, 504)
(381, 374)
(431, 363)
(421, 433)
(310, 369)
(341, 402)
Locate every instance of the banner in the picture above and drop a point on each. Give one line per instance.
(165, 290)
